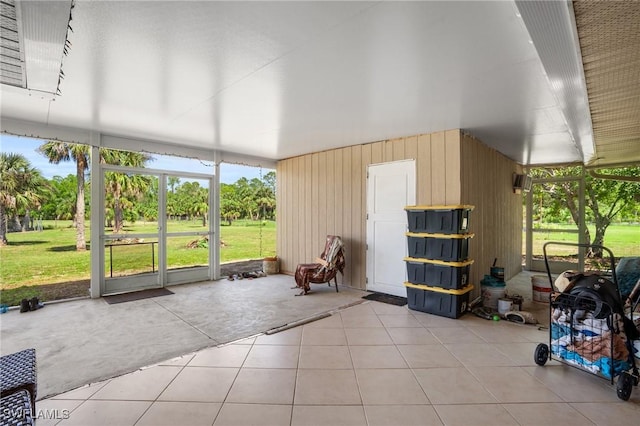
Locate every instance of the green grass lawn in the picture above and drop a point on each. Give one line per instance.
(40, 263)
(622, 240)
(46, 264)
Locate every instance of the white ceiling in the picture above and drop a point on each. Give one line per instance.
(280, 79)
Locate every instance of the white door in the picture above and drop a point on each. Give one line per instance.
(390, 188)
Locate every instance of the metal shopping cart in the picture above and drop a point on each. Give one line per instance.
(588, 326)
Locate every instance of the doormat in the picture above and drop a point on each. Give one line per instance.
(136, 295)
(386, 298)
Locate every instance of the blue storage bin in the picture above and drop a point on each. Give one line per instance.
(449, 248)
(449, 275)
(439, 219)
(438, 301)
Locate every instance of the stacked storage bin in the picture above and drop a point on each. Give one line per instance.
(438, 263)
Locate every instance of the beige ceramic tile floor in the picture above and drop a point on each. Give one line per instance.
(371, 364)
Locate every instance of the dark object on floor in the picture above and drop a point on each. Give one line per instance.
(484, 312)
(253, 274)
(137, 295)
(517, 301)
(326, 268)
(520, 317)
(34, 304)
(386, 298)
(18, 373)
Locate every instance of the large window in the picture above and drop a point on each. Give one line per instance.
(568, 204)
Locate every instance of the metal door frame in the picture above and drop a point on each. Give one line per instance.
(164, 277)
(532, 265)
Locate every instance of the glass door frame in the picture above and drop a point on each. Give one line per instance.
(195, 273)
(162, 277)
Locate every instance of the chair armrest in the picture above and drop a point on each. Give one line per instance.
(322, 262)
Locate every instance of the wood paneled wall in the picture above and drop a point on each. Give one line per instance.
(486, 179)
(325, 193)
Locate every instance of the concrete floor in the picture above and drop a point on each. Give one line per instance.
(88, 340)
(370, 364)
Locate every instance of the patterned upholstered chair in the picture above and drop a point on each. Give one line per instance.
(18, 371)
(16, 409)
(325, 269)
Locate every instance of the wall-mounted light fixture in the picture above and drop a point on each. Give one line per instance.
(521, 183)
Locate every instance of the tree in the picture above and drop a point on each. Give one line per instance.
(58, 152)
(123, 188)
(604, 198)
(192, 200)
(189, 199)
(61, 203)
(148, 207)
(270, 181)
(252, 199)
(21, 187)
(173, 181)
(266, 195)
(229, 204)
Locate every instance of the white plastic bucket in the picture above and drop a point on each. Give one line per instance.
(491, 295)
(541, 288)
(504, 306)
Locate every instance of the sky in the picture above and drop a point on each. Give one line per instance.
(229, 173)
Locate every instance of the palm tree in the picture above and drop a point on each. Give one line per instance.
(58, 152)
(121, 185)
(20, 187)
(172, 181)
(200, 203)
(201, 208)
(266, 204)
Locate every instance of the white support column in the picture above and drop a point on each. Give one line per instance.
(162, 230)
(581, 222)
(97, 219)
(529, 235)
(214, 220)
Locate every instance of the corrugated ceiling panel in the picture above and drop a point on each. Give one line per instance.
(9, 54)
(8, 9)
(11, 67)
(45, 33)
(609, 33)
(550, 27)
